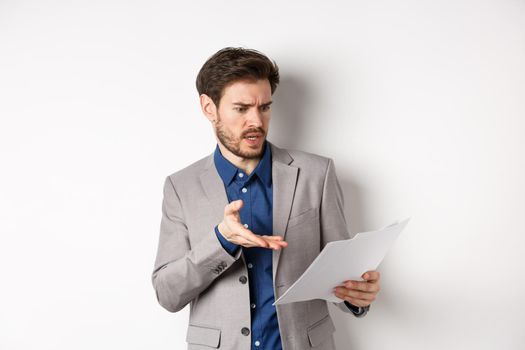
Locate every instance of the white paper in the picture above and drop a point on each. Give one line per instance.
(340, 261)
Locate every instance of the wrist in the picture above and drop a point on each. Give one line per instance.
(222, 229)
(230, 247)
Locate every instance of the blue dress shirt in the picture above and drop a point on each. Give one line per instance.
(256, 214)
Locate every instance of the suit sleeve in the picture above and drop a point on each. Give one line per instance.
(181, 271)
(333, 223)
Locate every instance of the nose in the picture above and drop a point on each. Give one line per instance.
(255, 118)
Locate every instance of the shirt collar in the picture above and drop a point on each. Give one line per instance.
(227, 170)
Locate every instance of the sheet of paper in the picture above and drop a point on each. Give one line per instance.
(340, 261)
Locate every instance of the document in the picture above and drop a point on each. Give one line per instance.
(340, 261)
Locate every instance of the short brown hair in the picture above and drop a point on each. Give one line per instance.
(233, 64)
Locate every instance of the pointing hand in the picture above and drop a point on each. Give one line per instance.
(232, 229)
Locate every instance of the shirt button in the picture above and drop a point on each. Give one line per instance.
(257, 343)
(245, 225)
(245, 331)
(241, 175)
(253, 306)
(243, 279)
(250, 265)
(244, 190)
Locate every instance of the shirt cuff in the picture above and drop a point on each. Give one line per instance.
(227, 245)
(357, 310)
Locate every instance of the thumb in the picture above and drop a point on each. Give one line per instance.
(236, 205)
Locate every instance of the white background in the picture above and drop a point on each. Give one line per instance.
(420, 103)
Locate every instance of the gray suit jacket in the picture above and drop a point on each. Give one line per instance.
(192, 266)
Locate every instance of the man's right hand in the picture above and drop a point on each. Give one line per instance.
(232, 229)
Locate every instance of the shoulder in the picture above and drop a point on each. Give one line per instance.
(310, 159)
(308, 162)
(191, 171)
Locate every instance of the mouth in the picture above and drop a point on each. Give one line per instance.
(253, 138)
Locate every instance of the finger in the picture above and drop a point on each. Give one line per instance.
(250, 236)
(371, 276)
(231, 212)
(243, 242)
(249, 239)
(256, 240)
(276, 241)
(279, 244)
(276, 245)
(272, 242)
(352, 300)
(339, 295)
(277, 238)
(371, 287)
(272, 245)
(355, 302)
(233, 207)
(355, 294)
(240, 234)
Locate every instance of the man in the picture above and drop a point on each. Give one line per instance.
(242, 224)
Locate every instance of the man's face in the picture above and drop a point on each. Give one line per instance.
(243, 117)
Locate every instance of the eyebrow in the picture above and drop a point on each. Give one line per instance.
(251, 104)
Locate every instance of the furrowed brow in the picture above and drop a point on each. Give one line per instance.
(250, 104)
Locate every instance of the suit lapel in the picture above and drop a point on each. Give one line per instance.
(213, 186)
(284, 179)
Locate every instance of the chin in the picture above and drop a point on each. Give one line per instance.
(248, 152)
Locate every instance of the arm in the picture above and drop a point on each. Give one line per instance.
(181, 271)
(333, 224)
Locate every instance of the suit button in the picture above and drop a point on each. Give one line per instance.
(243, 279)
(245, 331)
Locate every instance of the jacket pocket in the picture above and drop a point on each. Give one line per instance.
(303, 217)
(320, 331)
(203, 336)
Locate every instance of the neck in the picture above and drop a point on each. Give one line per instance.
(245, 164)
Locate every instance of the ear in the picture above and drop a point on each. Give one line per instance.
(208, 107)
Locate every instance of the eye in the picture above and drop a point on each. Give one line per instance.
(240, 109)
(265, 108)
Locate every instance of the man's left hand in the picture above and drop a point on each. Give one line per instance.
(360, 293)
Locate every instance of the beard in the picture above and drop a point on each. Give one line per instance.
(233, 143)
